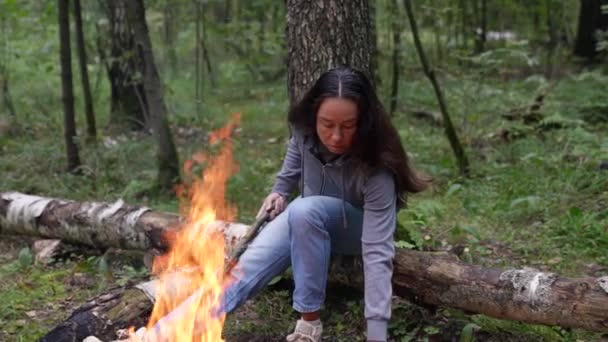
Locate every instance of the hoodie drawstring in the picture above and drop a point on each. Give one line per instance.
(344, 222)
(342, 187)
(302, 163)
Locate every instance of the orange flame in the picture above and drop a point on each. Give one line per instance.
(195, 260)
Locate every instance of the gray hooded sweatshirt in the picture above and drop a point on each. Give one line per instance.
(374, 194)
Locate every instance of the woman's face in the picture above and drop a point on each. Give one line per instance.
(337, 124)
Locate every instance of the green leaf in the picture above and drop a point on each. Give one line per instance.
(453, 189)
(473, 231)
(466, 335)
(431, 330)
(404, 244)
(530, 201)
(275, 280)
(559, 121)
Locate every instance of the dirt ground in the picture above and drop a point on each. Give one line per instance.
(37, 297)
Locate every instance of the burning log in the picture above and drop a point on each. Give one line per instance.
(437, 279)
(104, 315)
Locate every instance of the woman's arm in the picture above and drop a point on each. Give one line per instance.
(378, 249)
(289, 175)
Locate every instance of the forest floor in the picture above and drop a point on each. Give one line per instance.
(538, 197)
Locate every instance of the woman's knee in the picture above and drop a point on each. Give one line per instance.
(305, 212)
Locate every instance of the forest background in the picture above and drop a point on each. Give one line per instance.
(525, 84)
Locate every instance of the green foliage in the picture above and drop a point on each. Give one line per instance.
(414, 221)
(501, 58)
(538, 194)
(583, 232)
(33, 299)
(26, 258)
(602, 36)
(466, 335)
(130, 274)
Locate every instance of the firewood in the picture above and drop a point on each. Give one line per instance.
(438, 279)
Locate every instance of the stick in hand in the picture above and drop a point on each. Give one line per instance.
(252, 232)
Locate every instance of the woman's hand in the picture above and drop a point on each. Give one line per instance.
(274, 204)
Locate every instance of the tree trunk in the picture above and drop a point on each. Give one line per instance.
(67, 87)
(465, 26)
(590, 20)
(129, 106)
(6, 94)
(84, 74)
(480, 37)
(377, 80)
(553, 14)
(227, 14)
(261, 36)
(438, 279)
(197, 57)
(396, 28)
(5, 99)
(325, 34)
(435, 15)
(461, 158)
(205, 52)
(169, 16)
(168, 164)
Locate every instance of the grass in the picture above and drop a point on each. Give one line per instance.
(540, 200)
(34, 297)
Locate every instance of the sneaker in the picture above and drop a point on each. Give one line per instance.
(306, 331)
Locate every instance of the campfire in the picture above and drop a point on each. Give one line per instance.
(194, 267)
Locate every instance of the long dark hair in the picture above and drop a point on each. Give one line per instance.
(376, 143)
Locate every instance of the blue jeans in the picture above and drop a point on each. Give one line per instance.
(303, 236)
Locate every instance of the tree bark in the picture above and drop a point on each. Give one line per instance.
(227, 13)
(437, 279)
(205, 52)
(96, 224)
(69, 124)
(377, 80)
(84, 74)
(197, 57)
(170, 14)
(325, 34)
(435, 14)
(480, 32)
(129, 106)
(168, 163)
(525, 295)
(6, 94)
(5, 99)
(465, 27)
(461, 158)
(396, 28)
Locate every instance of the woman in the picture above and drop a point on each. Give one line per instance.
(353, 175)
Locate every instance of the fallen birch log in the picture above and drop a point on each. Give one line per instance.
(440, 279)
(96, 224)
